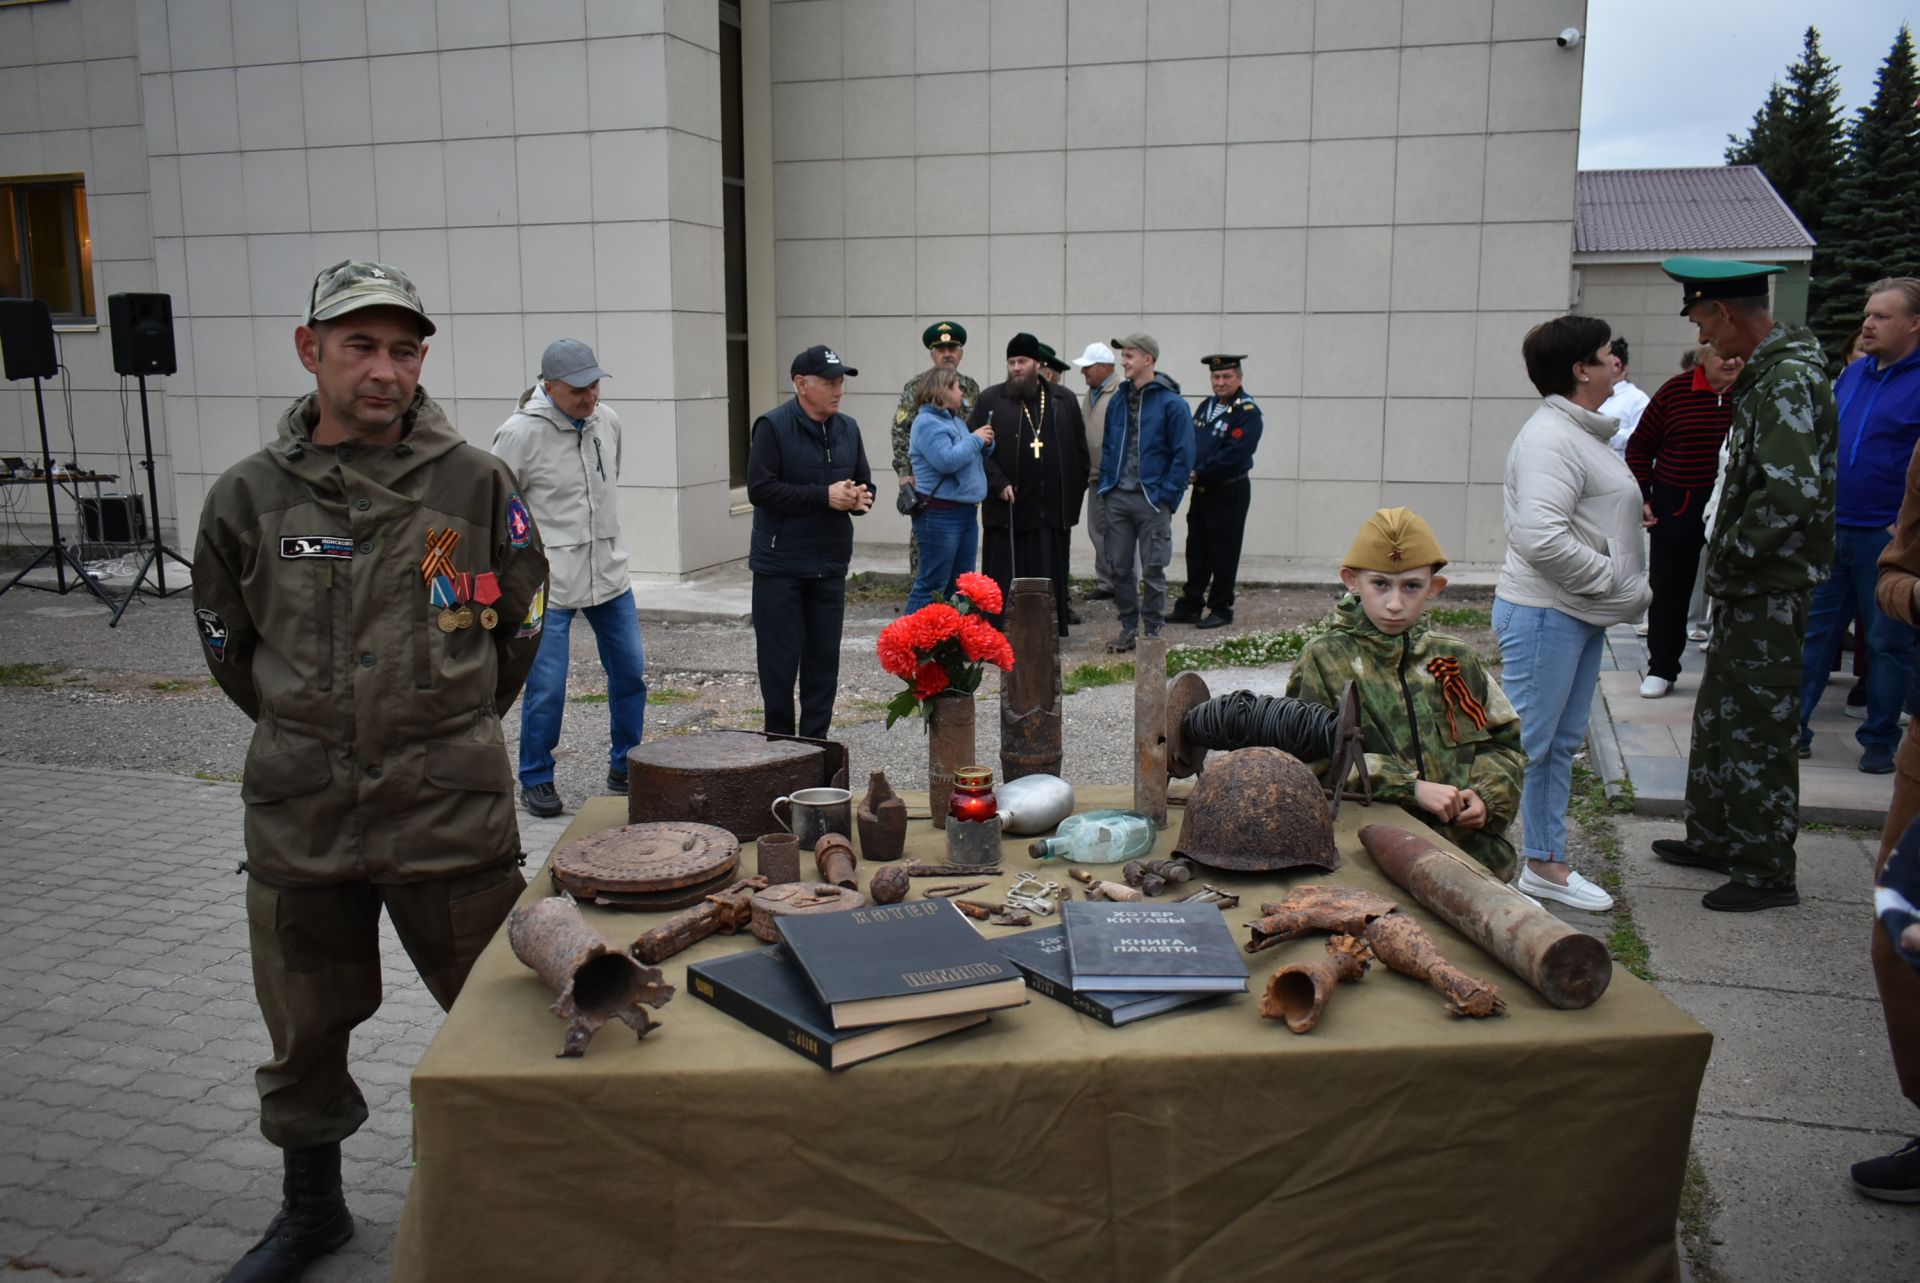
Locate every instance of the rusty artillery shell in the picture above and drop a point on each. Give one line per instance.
(593, 982)
(1299, 992)
(1150, 729)
(1030, 692)
(889, 885)
(1404, 945)
(779, 856)
(833, 858)
(1570, 968)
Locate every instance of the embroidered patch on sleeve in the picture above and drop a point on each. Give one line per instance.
(536, 616)
(297, 546)
(519, 523)
(213, 631)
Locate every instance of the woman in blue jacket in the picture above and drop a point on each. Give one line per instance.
(952, 480)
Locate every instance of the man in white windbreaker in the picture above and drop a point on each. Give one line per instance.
(564, 446)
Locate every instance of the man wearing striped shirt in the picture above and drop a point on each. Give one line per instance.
(1674, 454)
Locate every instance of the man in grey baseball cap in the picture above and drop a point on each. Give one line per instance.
(564, 445)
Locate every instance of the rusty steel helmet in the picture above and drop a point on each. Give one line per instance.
(1255, 810)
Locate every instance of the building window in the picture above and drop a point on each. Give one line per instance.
(733, 223)
(48, 254)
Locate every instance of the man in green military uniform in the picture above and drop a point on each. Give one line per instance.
(1442, 742)
(946, 343)
(1772, 542)
(369, 591)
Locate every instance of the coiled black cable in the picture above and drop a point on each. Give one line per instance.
(1245, 720)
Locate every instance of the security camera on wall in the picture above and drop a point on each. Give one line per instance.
(1568, 39)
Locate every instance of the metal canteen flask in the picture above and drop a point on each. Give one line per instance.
(1034, 803)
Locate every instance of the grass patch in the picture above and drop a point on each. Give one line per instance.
(1697, 1206)
(1460, 617)
(873, 586)
(29, 674)
(1593, 811)
(590, 699)
(1254, 650)
(671, 695)
(1087, 676)
(171, 685)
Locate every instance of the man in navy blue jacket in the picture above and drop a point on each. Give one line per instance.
(1879, 402)
(1146, 457)
(1226, 430)
(807, 477)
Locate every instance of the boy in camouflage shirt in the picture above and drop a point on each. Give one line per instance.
(1442, 741)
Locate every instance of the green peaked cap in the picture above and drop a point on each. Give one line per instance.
(1703, 280)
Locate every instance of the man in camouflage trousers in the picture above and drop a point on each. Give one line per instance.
(946, 343)
(1772, 542)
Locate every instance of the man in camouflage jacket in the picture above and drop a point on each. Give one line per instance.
(1440, 741)
(946, 343)
(1772, 542)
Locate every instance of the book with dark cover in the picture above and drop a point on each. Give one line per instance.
(1151, 948)
(1041, 956)
(906, 961)
(764, 990)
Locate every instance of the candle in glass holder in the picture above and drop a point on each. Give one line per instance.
(973, 794)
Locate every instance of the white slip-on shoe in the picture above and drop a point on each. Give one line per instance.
(1696, 634)
(1654, 687)
(1640, 629)
(1578, 893)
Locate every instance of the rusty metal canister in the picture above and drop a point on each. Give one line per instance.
(1030, 741)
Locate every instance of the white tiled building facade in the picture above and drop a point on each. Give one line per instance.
(1371, 198)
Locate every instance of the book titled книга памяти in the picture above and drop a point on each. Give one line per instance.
(905, 961)
(1041, 955)
(1127, 947)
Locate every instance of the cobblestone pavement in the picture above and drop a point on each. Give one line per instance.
(129, 1141)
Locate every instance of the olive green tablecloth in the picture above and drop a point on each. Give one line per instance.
(1205, 1144)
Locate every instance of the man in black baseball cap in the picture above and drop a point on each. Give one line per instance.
(807, 476)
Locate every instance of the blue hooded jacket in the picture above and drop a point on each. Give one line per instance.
(1166, 442)
(1879, 426)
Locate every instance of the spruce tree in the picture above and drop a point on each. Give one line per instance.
(1873, 224)
(1797, 138)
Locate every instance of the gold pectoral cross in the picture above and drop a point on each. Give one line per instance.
(1037, 444)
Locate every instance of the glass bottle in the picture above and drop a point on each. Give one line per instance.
(973, 794)
(1099, 837)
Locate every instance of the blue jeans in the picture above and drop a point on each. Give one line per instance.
(1849, 592)
(616, 630)
(949, 538)
(1550, 666)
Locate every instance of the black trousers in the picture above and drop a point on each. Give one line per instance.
(796, 632)
(1041, 554)
(1673, 559)
(1216, 524)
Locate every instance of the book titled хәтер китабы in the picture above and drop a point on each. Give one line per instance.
(905, 961)
(1132, 947)
(762, 989)
(1041, 955)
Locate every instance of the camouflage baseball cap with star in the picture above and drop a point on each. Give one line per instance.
(352, 284)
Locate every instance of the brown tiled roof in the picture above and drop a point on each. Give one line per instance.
(1676, 211)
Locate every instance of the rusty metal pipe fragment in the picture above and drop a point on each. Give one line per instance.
(1570, 968)
(1316, 908)
(1150, 729)
(593, 981)
(1404, 945)
(1298, 993)
(1030, 723)
(833, 858)
(725, 912)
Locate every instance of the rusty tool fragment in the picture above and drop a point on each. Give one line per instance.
(833, 859)
(1210, 894)
(1570, 968)
(882, 819)
(890, 885)
(998, 915)
(1404, 945)
(593, 981)
(1152, 876)
(956, 888)
(1150, 729)
(1097, 889)
(951, 871)
(725, 913)
(1298, 993)
(799, 898)
(1316, 908)
(1030, 691)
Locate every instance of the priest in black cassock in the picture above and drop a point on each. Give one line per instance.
(1036, 475)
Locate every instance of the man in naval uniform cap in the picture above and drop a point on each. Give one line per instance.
(1226, 429)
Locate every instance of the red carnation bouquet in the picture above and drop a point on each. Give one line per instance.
(942, 647)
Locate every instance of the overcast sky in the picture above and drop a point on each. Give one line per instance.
(1666, 82)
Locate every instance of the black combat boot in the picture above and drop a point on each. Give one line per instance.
(313, 1220)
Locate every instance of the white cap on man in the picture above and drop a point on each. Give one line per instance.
(1096, 354)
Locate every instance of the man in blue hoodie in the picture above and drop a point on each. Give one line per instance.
(1146, 457)
(1879, 402)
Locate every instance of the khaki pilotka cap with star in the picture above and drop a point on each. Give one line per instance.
(352, 284)
(1393, 541)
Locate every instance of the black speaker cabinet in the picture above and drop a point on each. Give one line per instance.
(26, 339)
(114, 518)
(142, 333)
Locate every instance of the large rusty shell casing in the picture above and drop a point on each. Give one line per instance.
(1030, 691)
(648, 866)
(1256, 810)
(726, 778)
(834, 861)
(1568, 967)
(1299, 992)
(593, 981)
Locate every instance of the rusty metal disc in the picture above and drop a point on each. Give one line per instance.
(657, 901)
(647, 860)
(1184, 693)
(797, 898)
